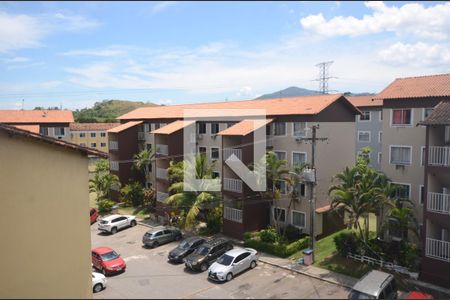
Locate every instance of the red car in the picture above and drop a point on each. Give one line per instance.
(107, 261)
(93, 215)
(419, 295)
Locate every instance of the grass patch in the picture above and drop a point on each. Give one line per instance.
(139, 212)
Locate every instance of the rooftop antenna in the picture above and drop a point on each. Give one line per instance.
(324, 76)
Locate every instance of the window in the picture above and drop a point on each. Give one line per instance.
(102, 134)
(281, 185)
(365, 116)
(83, 144)
(381, 115)
(364, 136)
(157, 125)
(214, 153)
(421, 194)
(202, 150)
(281, 155)
(379, 157)
(280, 128)
(400, 155)
(93, 134)
(269, 129)
(215, 174)
(426, 112)
(401, 117)
(202, 128)
(402, 191)
(82, 134)
(299, 129)
(279, 214)
(43, 130)
(148, 146)
(298, 219)
(298, 158)
(214, 128)
(93, 145)
(447, 134)
(59, 131)
(146, 127)
(380, 136)
(301, 189)
(114, 165)
(102, 144)
(422, 156)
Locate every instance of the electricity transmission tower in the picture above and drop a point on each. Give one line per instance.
(324, 76)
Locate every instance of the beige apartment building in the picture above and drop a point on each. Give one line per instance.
(92, 135)
(44, 185)
(286, 125)
(52, 123)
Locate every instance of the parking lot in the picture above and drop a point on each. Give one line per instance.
(149, 275)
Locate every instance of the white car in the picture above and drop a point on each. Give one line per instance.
(114, 223)
(232, 263)
(98, 282)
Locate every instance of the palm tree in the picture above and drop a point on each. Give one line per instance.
(143, 160)
(102, 183)
(293, 180)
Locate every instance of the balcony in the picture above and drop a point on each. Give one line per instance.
(228, 152)
(232, 214)
(160, 196)
(113, 145)
(141, 136)
(232, 185)
(114, 165)
(439, 156)
(162, 149)
(162, 173)
(437, 249)
(439, 203)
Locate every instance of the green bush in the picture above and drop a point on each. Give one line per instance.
(346, 242)
(214, 221)
(105, 205)
(277, 248)
(132, 194)
(268, 235)
(292, 233)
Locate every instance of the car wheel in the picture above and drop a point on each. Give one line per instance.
(204, 267)
(133, 223)
(253, 264)
(229, 276)
(155, 244)
(98, 287)
(114, 230)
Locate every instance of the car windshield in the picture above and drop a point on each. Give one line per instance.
(225, 260)
(202, 250)
(184, 245)
(354, 295)
(103, 222)
(109, 256)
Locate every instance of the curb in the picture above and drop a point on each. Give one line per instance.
(305, 273)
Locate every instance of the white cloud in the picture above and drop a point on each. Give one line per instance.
(94, 52)
(411, 18)
(162, 5)
(419, 54)
(245, 91)
(16, 60)
(73, 22)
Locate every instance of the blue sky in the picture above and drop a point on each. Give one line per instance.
(76, 53)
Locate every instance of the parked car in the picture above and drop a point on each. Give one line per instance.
(154, 238)
(93, 215)
(418, 295)
(207, 253)
(107, 261)
(98, 282)
(375, 285)
(232, 263)
(185, 248)
(114, 223)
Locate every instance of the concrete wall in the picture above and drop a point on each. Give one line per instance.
(88, 140)
(374, 126)
(44, 221)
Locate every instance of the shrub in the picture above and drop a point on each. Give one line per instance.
(132, 194)
(292, 233)
(105, 205)
(278, 248)
(268, 235)
(346, 242)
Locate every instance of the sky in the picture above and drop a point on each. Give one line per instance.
(73, 54)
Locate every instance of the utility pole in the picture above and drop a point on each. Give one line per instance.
(324, 76)
(312, 184)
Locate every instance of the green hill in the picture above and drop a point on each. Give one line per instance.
(107, 111)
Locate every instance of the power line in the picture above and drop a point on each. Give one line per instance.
(324, 76)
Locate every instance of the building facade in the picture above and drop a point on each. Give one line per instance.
(92, 135)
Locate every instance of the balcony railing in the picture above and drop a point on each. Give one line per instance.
(438, 202)
(162, 173)
(162, 149)
(232, 185)
(141, 136)
(232, 214)
(114, 165)
(160, 196)
(437, 249)
(113, 145)
(228, 152)
(439, 156)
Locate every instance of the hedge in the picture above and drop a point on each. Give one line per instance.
(277, 249)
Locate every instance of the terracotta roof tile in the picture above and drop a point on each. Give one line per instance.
(417, 87)
(364, 101)
(31, 128)
(245, 127)
(124, 126)
(172, 127)
(92, 126)
(35, 116)
(440, 115)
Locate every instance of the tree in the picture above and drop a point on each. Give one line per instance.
(103, 181)
(132, 194)
(143, 160)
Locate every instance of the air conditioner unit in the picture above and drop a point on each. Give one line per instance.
(309, 175)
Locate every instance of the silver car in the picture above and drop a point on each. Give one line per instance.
(232, 263)
(154, 238)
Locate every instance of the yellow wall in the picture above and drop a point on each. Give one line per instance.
(44, 221)
(87, 139)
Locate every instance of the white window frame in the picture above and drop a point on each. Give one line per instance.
(379, 157)
(422, 157)
(95, 145)
(423, 112)
(364, 131)
(93, 133)
(401, 125)
(206, 150)
(365, 121)
(211, 152)
(293, 130)
(404, 183)
(82, 133)
(401, 146)
(281, 151)
(146, 127)
(292, 218)
(206, 128)
(218, 127)
(421, 200)
(275, 129)
(380, 137)
(298, 152)
(273, 214)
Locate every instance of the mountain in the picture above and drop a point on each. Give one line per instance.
(107, 111)
(296, 91)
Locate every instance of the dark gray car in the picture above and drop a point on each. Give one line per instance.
(154, 238)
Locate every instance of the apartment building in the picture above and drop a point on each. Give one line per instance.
(436, 209)
(92, 135)
(52, 123)
(369, 131)
(406, 102)
(44, 184)
(287, 123)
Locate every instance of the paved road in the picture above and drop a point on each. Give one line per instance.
(149, 275)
